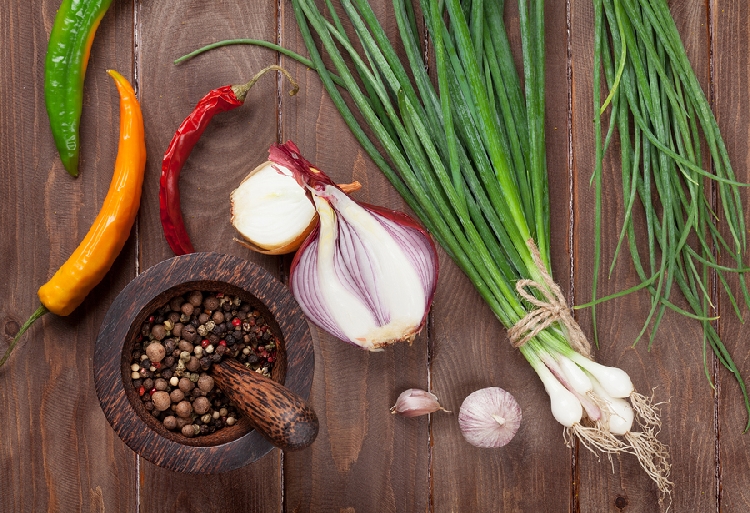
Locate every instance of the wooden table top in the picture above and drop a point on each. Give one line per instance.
(57, 451)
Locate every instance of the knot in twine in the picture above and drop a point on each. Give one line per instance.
(549, 310)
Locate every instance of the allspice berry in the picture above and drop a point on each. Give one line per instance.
(187, 309)
(183, 409)
(161, 400)
(201, 405)
(184, 345)
(186, 385)
(211, 303)
(206, 383)
(194, 364)
(176, 303)
(176, 395)
(158, 331)
(195, 298)
(188, 431)
(170, 422)
(161, 384)
(155, 351)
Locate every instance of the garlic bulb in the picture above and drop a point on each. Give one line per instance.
(415, 402)
(366, 275)
(489, 417)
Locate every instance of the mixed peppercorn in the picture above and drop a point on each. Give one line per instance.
(178, 344)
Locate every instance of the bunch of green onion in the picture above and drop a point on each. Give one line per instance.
(469, 159)
(468, 156)
(656, 103)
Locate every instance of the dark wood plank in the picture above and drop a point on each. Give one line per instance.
(364, 458)
(232, 146)
(57, 451)
(730, 28)
(471, 350)
(673, 368)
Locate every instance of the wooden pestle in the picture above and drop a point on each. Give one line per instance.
(277, 413)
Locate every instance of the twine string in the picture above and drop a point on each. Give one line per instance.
(549, 309)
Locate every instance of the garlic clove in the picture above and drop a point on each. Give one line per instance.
(415, 402)
(489, 417)
(271, 210)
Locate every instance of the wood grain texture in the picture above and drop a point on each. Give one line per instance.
(277, 413)
(730, 22)
(56, 448)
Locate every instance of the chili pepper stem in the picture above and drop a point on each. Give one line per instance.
(240, 91)
(36, 315)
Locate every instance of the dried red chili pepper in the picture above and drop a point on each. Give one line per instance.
(187, 135)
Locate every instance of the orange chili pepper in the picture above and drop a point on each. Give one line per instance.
(105, 239)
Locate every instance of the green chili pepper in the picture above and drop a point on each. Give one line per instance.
(65, 69)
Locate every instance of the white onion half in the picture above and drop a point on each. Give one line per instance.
(271, 210)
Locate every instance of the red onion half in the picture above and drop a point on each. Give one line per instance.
(365, 274)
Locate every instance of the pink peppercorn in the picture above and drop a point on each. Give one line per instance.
(205, 343)
(236, 322)
(222, 342)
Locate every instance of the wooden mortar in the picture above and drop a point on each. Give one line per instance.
(230, 447)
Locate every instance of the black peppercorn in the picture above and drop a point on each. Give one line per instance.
(189, 333)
